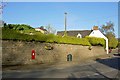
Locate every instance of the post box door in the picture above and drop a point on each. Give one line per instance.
(33, 54)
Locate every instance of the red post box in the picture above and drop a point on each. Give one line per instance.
(33, 54)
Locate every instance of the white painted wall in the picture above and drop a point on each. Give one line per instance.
(97, 33)
(79, 35)
(39, 30)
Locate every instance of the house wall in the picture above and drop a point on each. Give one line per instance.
(19, 52)
(97, 33)
(40, 30)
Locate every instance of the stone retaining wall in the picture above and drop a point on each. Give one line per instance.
(19, 52)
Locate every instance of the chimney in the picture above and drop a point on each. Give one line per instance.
(95, 27)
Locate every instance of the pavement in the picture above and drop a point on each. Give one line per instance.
(107, 68)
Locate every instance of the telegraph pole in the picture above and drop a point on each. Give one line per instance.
(65, 33)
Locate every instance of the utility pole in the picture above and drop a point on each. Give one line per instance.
(65, 33)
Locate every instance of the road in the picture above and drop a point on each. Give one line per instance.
(101, 68)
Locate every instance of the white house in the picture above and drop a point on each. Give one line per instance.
(38, 29)
(79, 35)
(41, 30)
(83, 33)
(96, 33)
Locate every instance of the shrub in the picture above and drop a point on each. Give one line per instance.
(96, 41)
(112, 42)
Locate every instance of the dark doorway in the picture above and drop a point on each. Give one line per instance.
(69, 57)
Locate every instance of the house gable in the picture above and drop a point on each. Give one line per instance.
(97, 33)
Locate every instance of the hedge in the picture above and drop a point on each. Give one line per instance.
(96, 41)
(112, 42)
(9, 34)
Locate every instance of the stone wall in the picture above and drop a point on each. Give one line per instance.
(19, 52)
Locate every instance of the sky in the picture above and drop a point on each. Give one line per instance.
(80, 15)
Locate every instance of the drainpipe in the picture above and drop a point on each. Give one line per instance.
(107, 46)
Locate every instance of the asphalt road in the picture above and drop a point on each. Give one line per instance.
(101, 68)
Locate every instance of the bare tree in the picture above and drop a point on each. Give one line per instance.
(50, 29)
(2, 5)
(108, 28)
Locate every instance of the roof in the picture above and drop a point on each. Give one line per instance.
(74, 33)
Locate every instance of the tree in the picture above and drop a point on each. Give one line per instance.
(50, 29)
(109, 27)
(2, 5)
(41, 27)
(17, 26)
(4, 25)
(108, 31)
(10, 26)
(112, 41)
